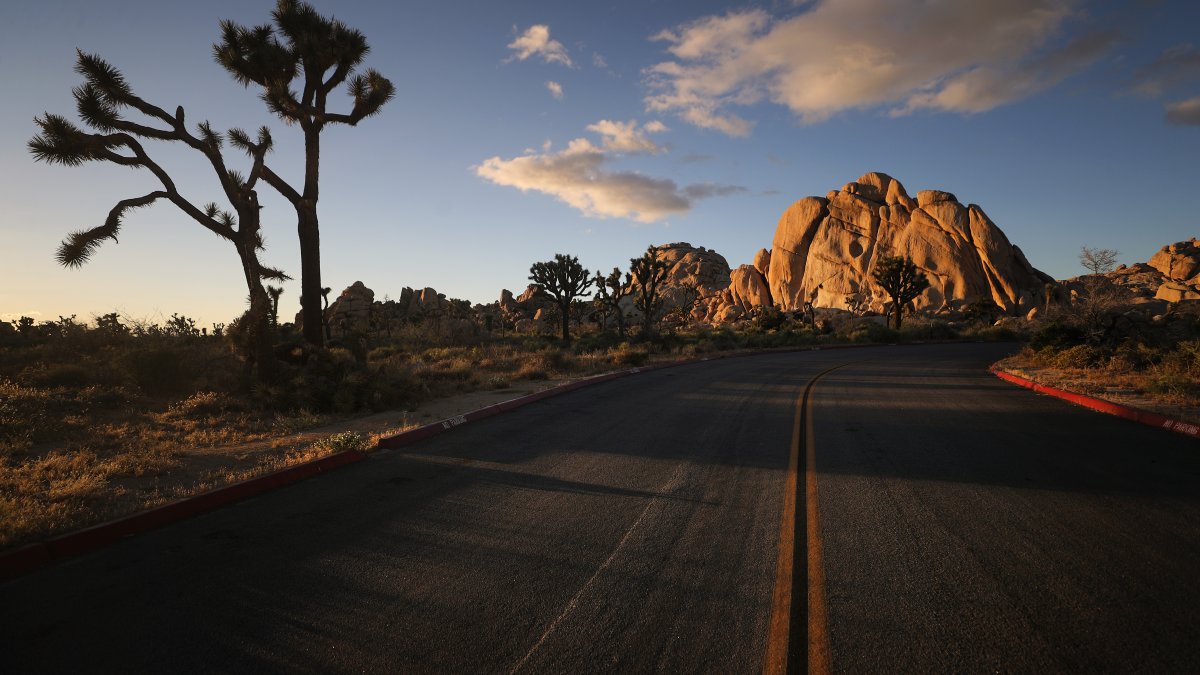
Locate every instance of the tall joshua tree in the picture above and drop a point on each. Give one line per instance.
(101, 102)
(609, 292)
(563, 279)
(649, 272)
(318, 55)
(900, 278)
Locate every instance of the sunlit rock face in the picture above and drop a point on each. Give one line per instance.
(825, 249)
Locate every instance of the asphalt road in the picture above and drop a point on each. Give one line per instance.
(968, 526)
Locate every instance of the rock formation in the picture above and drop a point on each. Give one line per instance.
(825, 249)
(355, 310)
(1179, 264)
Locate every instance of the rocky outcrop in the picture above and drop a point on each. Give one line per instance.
(355, 310)
(825, 249)
(696, 277)
(351, 310)
(1179, 262)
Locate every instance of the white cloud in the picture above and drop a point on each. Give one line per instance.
(834, 56)
(579, 177)
(627, 137)
(535, 41)
(555, 89)
(598, 60)
(1184, 112)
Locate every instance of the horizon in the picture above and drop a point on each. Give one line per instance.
(598, 131)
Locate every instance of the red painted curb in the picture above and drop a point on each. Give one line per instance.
(32, 556)
(1108, 407)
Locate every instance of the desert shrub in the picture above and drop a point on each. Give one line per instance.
(342, 442)
(1173, 384)
(1079, 356)
(160, 371)
(873, 332)
(992, 334)
(626, 355)
(596, 342)
(767, 318)
(1057, 335)
(205, 404)
(721, 339)
(58, 375)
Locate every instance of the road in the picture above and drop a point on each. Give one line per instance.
(966, 526)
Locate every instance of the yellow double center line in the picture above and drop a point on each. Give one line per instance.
(791, 614)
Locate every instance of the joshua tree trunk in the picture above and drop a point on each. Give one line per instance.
(565, 310)
(310, 277)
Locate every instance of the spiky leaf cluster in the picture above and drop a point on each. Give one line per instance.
(302, 45)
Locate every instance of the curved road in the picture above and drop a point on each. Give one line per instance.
(966, 525)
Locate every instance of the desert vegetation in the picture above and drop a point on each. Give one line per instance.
(1095, 341)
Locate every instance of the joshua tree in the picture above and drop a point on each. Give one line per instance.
(320, 54)
(563, 279)
(325, 311)
(275, 292)
(1098, 260)
(101, 101)
(609, 292)
(648, 271)
(901, 280)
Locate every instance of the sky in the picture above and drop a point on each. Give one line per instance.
(524, 129)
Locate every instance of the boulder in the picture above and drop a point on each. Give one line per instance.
(351, 310)
(1179, 261)
(762, 262)
(748, 288)
(1176, 291)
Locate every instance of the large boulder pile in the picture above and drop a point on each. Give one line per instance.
(355, 310)
(825, 250)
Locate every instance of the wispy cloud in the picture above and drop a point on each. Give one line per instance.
(579, 175)
(904, 55)
(1176, 66)
(556, 89)
(1185, 112)
(535, 41)
(598, 60)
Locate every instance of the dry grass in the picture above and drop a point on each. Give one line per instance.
(74, 452)
(1167, 383)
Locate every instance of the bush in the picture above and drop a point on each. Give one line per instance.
(343, 442)
(1079, 356)
(872, 332)
(1057, 335)
(625, 355)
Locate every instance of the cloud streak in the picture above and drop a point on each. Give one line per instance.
(1185, 112)
(1174, 67)
(555, 89)
(904, 55)
(580, 177)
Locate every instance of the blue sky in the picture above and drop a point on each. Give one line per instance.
(1070, 123)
